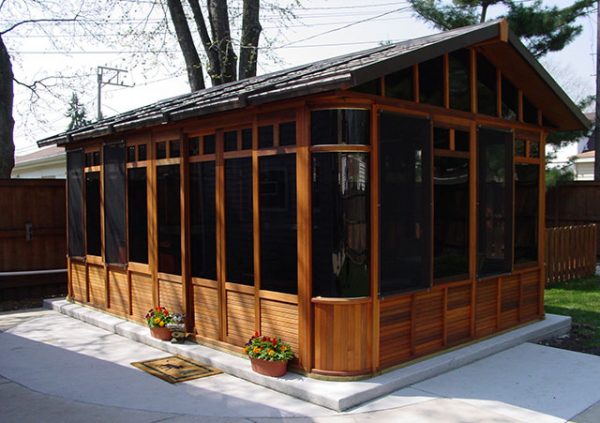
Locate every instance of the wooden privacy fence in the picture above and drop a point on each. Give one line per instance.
(570, 252)
(32, 238)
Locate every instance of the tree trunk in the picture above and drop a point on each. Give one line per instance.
(597, 119)
(186, 43)
(7, 123)
(219, 22)
(250, 36)
(214, 67)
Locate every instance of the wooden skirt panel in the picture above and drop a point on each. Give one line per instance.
(279, 319)
(206, 311)
(240, 317)
(141, 295)
(342, 334)
(118, 292)
(417, 324)
(97, 286)
(79, 281)
(170, 295)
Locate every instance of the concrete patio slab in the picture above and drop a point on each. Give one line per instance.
(336, 396)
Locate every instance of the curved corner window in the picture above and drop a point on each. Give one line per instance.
(340, 126)
(340, 226)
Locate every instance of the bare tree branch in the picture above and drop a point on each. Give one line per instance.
(30, 21)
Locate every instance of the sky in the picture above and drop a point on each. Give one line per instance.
(320, 29)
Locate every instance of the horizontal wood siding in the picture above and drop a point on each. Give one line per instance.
(118, 291)
(79, 281)
(343, 338)
(279, 319)
(240, 317)
(206, 311)
(395, 331)
(141, 295)
(458, 314)
(170, 296)
(486, 307)
(530, 294)
(509, 301)
(429, 322)
(97, 286)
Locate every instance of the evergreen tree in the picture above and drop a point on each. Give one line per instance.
(77, 113)
(541, 28)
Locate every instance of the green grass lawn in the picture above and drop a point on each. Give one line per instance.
(579, 299)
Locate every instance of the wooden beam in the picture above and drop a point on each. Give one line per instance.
(473, 79)
(152, 198)
(498, 93)
(542, 224)
(416, 77)
(446, 70)
(187, 292)
(256, 224)
(221, 253)
(473, 224)
(374, 229)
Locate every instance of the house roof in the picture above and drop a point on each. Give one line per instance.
(41, 154)
(341, 73)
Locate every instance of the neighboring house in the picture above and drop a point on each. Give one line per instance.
(584, 166)
(563, 156)
(45, 163)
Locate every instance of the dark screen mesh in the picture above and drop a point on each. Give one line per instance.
(75, 162)
(138, 215)
(114, 203)
(92, 213)
(527, 177)
(203, 220)
(169, 219)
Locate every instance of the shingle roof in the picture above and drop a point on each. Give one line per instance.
(325, 75)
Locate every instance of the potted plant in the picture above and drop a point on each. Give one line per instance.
(269, 356)
(158, 318)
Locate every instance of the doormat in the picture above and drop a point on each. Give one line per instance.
(175, 368)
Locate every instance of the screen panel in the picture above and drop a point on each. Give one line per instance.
(75, 181)
(169, 219)
(114, 199)
(137, 215)
(527, 178)
(203, 220)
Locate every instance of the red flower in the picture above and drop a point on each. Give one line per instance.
(256, 334)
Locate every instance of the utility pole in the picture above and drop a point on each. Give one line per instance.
(108, 76)
(597, 118)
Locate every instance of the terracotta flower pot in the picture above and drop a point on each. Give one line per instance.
(164, 334)
(269, 368)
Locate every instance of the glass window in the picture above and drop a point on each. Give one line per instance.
(494, 191)
(462, 140)
(131, 154)
(486, 87)
(161, 150)
(169, 219)
(520, 148)
(75, 162)
(92, 213)
(370, 87)
(340, 219)
(194, 146)
(451, 217)
(287, 133)
(534, 149)
(96, 158)
(400, 84)
(526, 212)
(174, 148)
(230, 140)
(137, 215)
(247, 139)
(208, 144)
(278, 239)
(203, 220)
(114, 197)
(530, 113)
(510, 100)
(441, 138)
(88, 160)
(265, 136)
(460, 80)
(141, 150)
(431, 81)
(238, 221)
(405, 203)
(340, 126)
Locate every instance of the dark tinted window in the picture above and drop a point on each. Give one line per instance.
(486, 87)
(462, 140)
(371, 87)
(141, 152)
(287, 133)
(92, 213)
(96, 158)
(529, 112)
(431, 81)
(265, 136)
(169, 219)
(208, 144)
(510, 100)
(161, 150)
(494, 191)
(114, 198)
(520, 148)
(526, 212)
(202, 220)
(400, 84)
(534, 149)
(247, 139)
(278, 240)
(238, 221)
(88, 159)
(460, 74)
(230, 140)
(441, 138)
(174, 148)
(340, 190)
(451, 217)
(343, 126)
(131, 153)
(405, 195)
(75, 162)
(137, 215)
(194, 146)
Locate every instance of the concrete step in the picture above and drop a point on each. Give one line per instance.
(335, 395)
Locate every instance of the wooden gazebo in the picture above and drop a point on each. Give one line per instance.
(369, 209)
